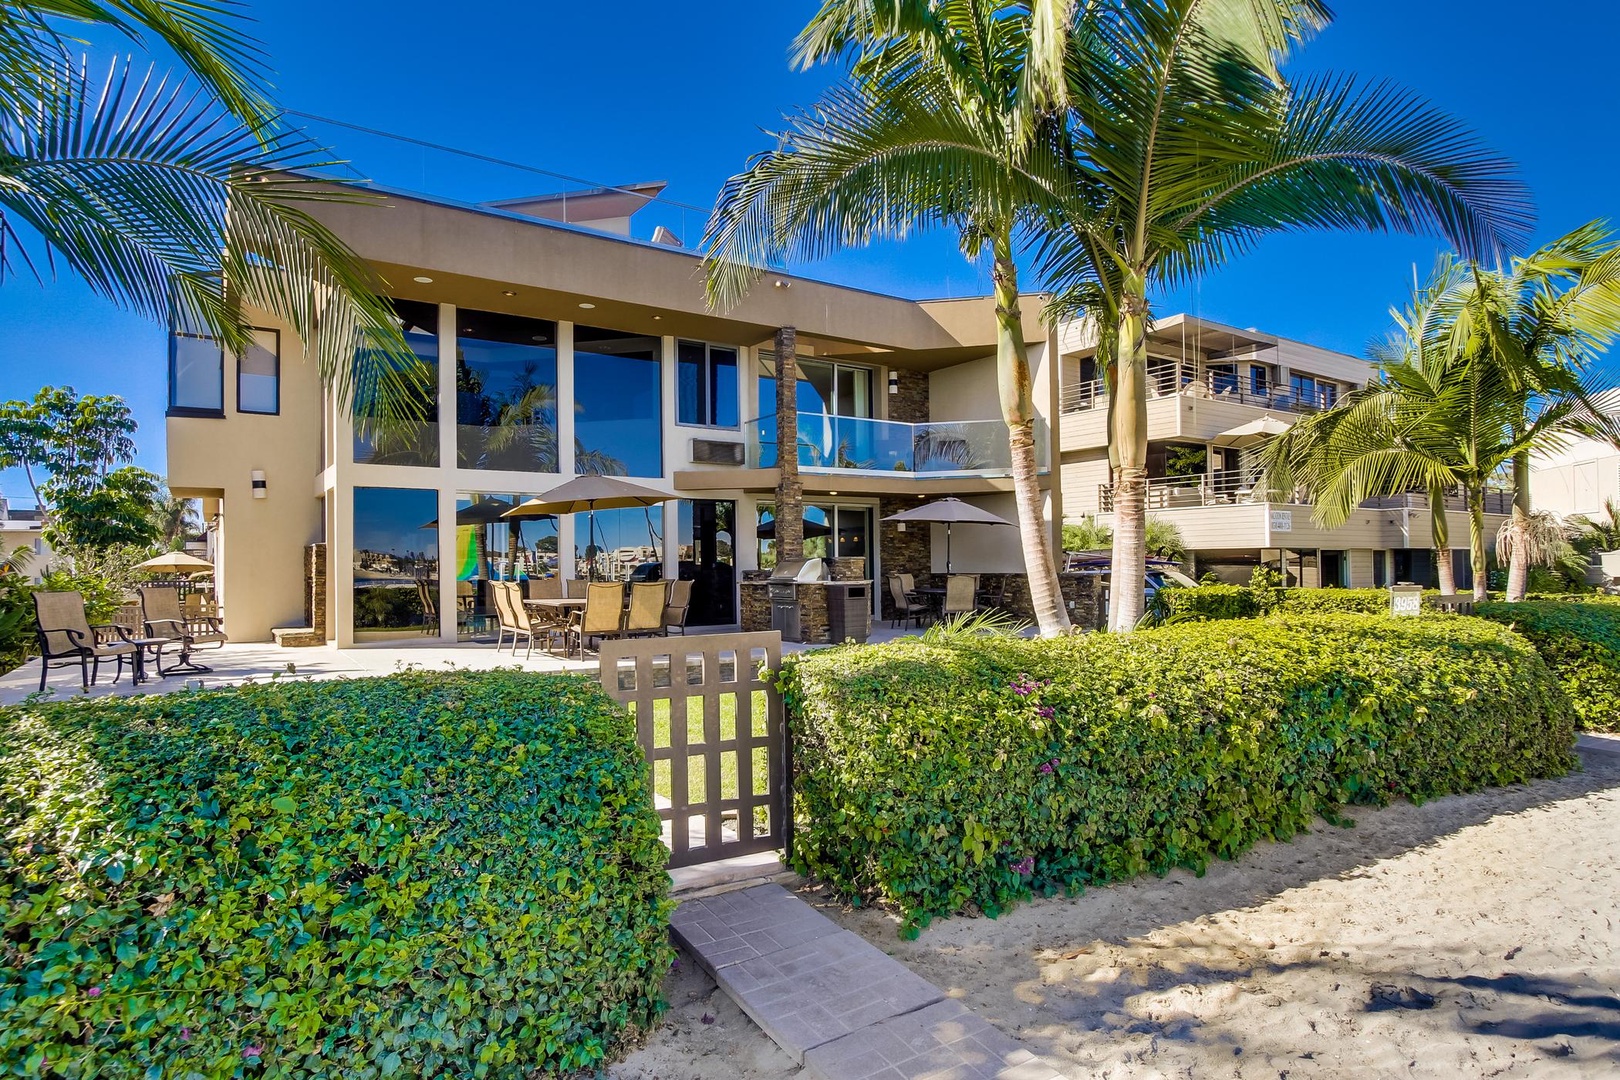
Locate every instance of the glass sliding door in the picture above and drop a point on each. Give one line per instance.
(833, 399)
(396, 562)
(490, 547)
(707, 559)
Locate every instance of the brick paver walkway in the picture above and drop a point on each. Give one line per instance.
(845, 1009)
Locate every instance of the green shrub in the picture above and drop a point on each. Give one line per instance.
(939, 777)
(1208, 602)
(1334, 602)
(1581, 643)
(446, 875)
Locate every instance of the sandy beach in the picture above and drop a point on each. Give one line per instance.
(1475, 936)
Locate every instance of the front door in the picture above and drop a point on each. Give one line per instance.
(707, 560)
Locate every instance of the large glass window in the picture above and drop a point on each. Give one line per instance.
(506, 392)
(618, 404)
(1312, 392)
(378, 441)
(396, 562)
(825, 388)
(196, 374)
(707, 560)
(620, 545)
(830, 531)
(492, 547)
(258, 374)
(706, 384)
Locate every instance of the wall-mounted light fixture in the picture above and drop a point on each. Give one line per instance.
(261, 487)
(894, 381)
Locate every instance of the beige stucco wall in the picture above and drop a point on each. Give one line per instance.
(259, 573)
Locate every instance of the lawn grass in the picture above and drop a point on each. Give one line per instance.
(697, 742)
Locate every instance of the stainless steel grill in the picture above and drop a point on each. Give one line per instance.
(783, 590)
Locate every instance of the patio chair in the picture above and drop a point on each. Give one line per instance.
(907, 608)
(993, 597)
(505, 623)
(66, 637)
(549, 588)
(428, 593)
(160, 611)
(578, 588)
(677, 606)
(601, 617)
(645, 616)
(959, 590)
(524, 624)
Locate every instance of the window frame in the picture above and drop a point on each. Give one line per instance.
(261, 412)
(197, 411)
(708, 383)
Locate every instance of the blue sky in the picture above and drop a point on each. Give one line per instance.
(684, 92)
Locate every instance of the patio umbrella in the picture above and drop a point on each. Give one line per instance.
(176, 562)
(587, 495)
(1252, 434)
(486, 511)
(950, 512)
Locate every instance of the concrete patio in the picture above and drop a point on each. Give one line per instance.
(257, 661)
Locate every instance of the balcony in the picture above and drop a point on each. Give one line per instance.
(848, 444)
(1196, 381)
(1229, 488)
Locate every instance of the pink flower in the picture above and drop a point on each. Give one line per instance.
(94, 991)
(1048, 766)
(1024, 866)
(185, 1034)
(252, 1050)
(1045, 712)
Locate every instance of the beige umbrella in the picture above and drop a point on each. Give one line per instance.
(177, 562)
(587, 495)
(1252, 434)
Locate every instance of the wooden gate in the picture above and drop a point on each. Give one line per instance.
(713, 733)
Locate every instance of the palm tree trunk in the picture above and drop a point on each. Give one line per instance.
(1440, 527)
(789, 488)
(1128, 571)
(1518, 582)
(1017, 409)
(1476, 541)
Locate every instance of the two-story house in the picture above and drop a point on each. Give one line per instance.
(560, 342)
(1216, 395)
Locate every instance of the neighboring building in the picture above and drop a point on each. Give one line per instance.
(562, 344)
(23, 529)
(1578, 479)
(1213, 390)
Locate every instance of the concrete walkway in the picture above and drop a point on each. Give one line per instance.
(837, 1004)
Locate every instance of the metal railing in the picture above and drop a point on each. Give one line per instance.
(1189, 381)
(858, 444)
(1231, 487)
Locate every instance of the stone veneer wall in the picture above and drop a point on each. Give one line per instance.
(909, 404)
(313, 632)
(813, 620)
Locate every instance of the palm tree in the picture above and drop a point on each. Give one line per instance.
(1444, 415)
(1539, 538)
(177, 521)
(1547, 316)
(183, 202)
(1190, 144)
(940, 125)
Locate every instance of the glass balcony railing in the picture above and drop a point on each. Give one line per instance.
(857, 444)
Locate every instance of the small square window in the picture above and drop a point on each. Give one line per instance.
(705, 385)
(258, 375)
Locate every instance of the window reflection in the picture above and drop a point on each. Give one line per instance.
(396, 562)
(618, 403)
(705, 384)
(378, 441)
(196, 373)
(707, 559)
(830, 531)
(492, 547)
(506, 392)
(258, 374)
(620, 545)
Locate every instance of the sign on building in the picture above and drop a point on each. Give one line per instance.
(1282, 521)
(1406, 599)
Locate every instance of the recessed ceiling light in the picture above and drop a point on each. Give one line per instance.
(423, 280)
(538, 337)
(657, 318)
(832, 492)
(508, 292)
(587, 307)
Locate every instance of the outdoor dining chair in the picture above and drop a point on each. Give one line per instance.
(160, 610)
(523, 623)
(578, 588)
(907, 608)
(601, 617)
(645, 616)
(504, 621)
(66, 637)
(959, 590)
(677, 606)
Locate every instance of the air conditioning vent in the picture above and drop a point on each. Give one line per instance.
(716, 452)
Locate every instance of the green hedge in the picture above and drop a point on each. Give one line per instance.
(942, 776)
(445, 875)
(1210, 602)
(1581, 643)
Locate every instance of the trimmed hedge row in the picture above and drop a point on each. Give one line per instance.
(939, 777)
(424, 875)
(1210, 602)
(1581, 643)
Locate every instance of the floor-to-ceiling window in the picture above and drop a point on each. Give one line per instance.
(380, 441)
(621, 545)
(707, 559)
(835, 409)
(618, 403)
(493, 547)
(506, 392)
(831, 530)
(396, 562)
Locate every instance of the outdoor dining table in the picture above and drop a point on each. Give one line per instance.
(556, 603)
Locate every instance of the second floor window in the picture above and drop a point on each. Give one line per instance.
(258, 375)
(1313, 392)
(705, 384)
(1259, 380)
(196, 375)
